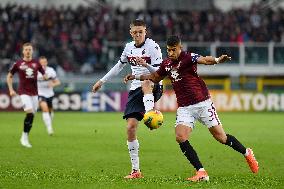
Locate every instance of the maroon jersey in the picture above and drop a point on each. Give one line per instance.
(27, 71)
(188, 86)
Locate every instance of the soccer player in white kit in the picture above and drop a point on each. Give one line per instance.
(46, 93)
(27, 69)
(142, 95)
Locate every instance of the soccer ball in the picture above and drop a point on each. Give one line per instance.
(153, 119)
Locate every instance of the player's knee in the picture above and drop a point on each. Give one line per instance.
(181, 137)
(147, 86)
(131, 125)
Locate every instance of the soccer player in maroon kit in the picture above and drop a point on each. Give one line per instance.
(194, 103)
(27, 69)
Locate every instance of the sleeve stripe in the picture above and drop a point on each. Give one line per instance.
(156, 65)
(122, 62)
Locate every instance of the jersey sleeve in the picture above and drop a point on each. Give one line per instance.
(14, 68)
(194, 57)
(123, 58)
(40, 69)
(53, 74)
(162, 70)
(156, 55)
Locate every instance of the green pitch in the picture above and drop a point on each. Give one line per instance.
(89, 151)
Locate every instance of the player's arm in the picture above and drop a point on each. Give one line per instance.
(10, 84)
(155, 77)
(140, 61)
(113, 72)
(54, 82)
(210, 60)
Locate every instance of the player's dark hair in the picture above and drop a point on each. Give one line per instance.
(173, 40)
(138, 22)
(42, 57)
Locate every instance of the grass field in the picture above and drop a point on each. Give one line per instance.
(89, 151)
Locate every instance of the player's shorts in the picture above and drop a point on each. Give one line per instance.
(47, 100)
(29, 102)
(135, 106)
(204, 112)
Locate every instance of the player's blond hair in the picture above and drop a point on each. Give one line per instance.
(27, 44)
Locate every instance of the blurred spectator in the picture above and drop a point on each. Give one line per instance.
(74, 38)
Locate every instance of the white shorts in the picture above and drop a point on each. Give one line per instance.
(204, 112)
(29, 102)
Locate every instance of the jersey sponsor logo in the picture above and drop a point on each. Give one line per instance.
(132, 60)
(23, 66)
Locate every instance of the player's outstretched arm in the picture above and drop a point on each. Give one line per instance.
(10, 84)
(97, 86)
(113, 72)
(155, 77)
(209, 60)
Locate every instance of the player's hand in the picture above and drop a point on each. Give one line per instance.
(224, 58)
(140, 61)
(128, 77)
(45, 77)
(50, 84)
(97, 86)
(12, 92)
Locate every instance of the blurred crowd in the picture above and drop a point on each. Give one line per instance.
(75, 40)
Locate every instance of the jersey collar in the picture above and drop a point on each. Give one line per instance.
(139, 46)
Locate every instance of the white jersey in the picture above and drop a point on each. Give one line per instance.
(42, 85)
(149, 51)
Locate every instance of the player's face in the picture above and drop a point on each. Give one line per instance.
(43, 62)
(138, 34)
(28, 52)
(174, 51)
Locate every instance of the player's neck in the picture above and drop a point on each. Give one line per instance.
(27, 59)
(139, 44)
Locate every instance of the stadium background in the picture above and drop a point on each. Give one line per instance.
(84, 39)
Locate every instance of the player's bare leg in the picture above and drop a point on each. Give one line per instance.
(46, 117)
(229, 140)
(27, 127)
(133, 147)
(148, 99)
(182, 137)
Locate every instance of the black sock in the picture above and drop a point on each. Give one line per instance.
(235, 144)
(28, 122)
(190, 154)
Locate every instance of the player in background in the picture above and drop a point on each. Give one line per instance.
(27, 69)
(142, 95)
(46, 93)
(194, 103)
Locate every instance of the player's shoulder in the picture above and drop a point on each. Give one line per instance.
(129, 45)
(151, 43)
(51, 69)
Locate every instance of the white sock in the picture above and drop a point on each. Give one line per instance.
(47, 120)
(247, 153)
(25, 136)
(133, 148)
(148, 100)
(201, 169)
